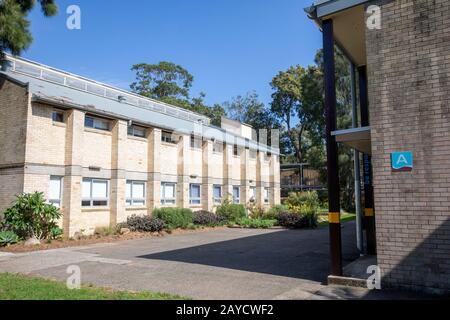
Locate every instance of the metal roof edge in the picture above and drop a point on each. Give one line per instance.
(324, 8)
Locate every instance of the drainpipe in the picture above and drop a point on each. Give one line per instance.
(359, 215)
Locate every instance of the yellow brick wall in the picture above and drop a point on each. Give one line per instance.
(97, 149)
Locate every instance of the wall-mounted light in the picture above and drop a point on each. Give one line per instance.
(194, 176)
(93, 168)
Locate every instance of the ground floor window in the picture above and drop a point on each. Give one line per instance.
(217, 193)
(135, 193)
(252, 195)
(194, 193)
(266, 195)
(168, 192)
(95, 192)
(236, 195)
(55, 191)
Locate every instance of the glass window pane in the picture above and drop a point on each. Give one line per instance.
(85, 203)
(98, 203)
(86, 189)
(99, 189)
(138, 190)
(169, 190)
(101, 124)
(55, 188)
(128, 190)
(195, 191)
(89, 122)
(138, 202)
(217, 192)
(128, 202)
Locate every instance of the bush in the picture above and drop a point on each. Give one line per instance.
(142, 224)
(231, 211)
(256, 211)
(174, 217)
(255, 223)
(309, 198)
(105, 231)
(292, 220)
(7, 238)
(56, 233)
(31, 216)
(275, 211)
(206, 218)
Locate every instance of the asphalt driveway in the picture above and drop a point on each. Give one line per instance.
(219, 264)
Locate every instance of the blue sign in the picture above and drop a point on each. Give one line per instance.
(402, 161)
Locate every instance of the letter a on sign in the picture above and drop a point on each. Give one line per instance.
(402, 161)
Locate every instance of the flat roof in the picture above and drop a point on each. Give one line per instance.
(54, 91)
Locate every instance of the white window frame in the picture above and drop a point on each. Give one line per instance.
(195, 200)
(167, 137)
(91, 199)
(134, 131)
(195, 142)
(130, 201)
(56, 201)
(168, 201)
(237, 200)
(217, 199)
(95, 123)
(252, 197)
(54, 116)
(266, 195)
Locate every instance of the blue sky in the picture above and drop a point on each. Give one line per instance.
(230, 46)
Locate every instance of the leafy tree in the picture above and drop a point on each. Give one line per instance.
(162, 81)
(15, 34)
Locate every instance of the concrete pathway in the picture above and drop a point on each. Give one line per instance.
(218, 264)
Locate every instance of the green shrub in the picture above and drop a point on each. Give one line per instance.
(31, 216)
(56, 233)
(275, 211)
(142, 224)
(7, 238)
(206, 218)
(256, 211)
(174, 217)
(231, 211)
(309, 198)
(255, 223)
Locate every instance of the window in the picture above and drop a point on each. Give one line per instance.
(194, 193)
(266, 195)
(218, 146)
(55, 191)
(252, 195)
(196, 142)
(217, 193)
(168, 193)
(235, 150)
(135, 193)
(96, 123)
(95, 192)
(58, 116)
(236, 195)
(136, 131)
(168, 137)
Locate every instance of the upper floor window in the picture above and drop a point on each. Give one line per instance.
(196, 142)
(58, 116)
(168, 193)
(235, 150)
(136, 131)
(168, 137)
(97, 123)
(55, 191)
(218, 146)
(95, 192)
(194, 193)
(135, 193)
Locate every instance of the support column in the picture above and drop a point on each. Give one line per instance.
(274, 191)
(72, 182)
(154, 170)
(245, 171)
(332, 154)
(369, 212)
(183, 171)
(207, 183)
(356, 168)
(228, 170)
(118, 180)
(260, 178)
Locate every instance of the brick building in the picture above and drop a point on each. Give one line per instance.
(102, 153)
(401, 52)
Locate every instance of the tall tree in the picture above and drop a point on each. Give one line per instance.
(15, 35)
(163, 81)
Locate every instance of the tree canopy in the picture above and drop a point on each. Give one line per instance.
(15, 35)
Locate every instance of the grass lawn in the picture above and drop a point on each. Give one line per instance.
(345, 216)
(19, 287)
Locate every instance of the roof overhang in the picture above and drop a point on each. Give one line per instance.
(356, 138)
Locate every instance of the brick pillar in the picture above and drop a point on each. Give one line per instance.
(274, 191)
(183, 171)
(154, 170)
(260, 178)
(245, 171)
(72, 182)
(118, 180)
(207, 183)
(228, 170)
